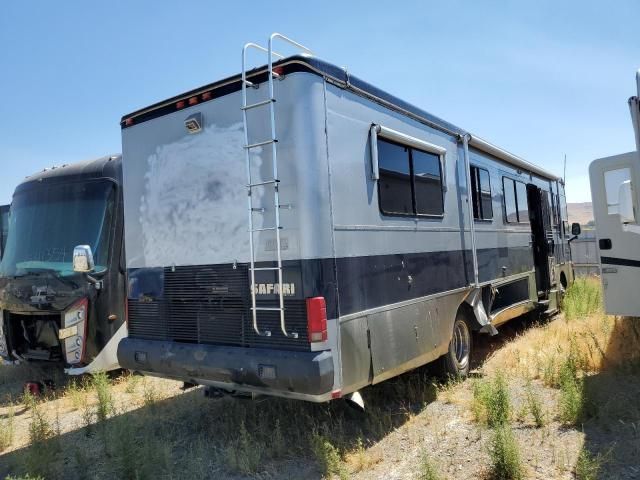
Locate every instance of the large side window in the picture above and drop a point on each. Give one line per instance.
(523, 204)
(516, 206)
(395, 178)
(427, 183)
(410, 180)
(481, 194)
(510, 207)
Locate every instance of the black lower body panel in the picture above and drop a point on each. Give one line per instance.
(306, 373)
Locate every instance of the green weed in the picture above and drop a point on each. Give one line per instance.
(427, 470)
(7, 431)
(328, 457)
(535, 407)
(506, 463)
(106, 405)
(583, 298)
(491, 402)
(588, 467)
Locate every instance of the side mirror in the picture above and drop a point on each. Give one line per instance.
(575, 229)
(625, 202)
(83, 259)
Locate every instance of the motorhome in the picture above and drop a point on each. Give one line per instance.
(295, 231)
(615, 200)
(62, 283)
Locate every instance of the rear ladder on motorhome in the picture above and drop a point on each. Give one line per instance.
(272, 182)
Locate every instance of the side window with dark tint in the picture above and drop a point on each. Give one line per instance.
(395, 178)
(481, 194)
(510, 206)
(428, 187)
(523, 204)
(410, 180)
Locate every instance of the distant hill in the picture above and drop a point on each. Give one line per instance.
(580, 212)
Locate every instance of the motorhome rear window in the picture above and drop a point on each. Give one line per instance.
(410, 181)
(481, 194)
(516, 206)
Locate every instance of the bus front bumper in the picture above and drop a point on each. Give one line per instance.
(279, 372)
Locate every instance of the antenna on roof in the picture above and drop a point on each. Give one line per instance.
(564, 173)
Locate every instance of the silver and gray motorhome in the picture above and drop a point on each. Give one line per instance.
(615, 200)
(295, 231)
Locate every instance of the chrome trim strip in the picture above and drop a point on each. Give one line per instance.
(511, 312)
(497, 282)
(417, 228)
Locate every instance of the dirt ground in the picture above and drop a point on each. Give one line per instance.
(408, 419)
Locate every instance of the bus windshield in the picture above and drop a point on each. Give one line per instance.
(46, 222)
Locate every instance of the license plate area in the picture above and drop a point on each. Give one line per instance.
(68, 332)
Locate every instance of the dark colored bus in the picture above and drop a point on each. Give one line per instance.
(62, 281)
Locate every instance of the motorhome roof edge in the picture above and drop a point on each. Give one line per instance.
(345, 80)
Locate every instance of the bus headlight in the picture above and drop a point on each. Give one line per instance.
(73, 333)
(3, 340)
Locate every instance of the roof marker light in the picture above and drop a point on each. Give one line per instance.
(128, 122)
(206, 96)
(180, 104)
(193, 100)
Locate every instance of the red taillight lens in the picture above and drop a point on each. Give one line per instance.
(317, 319)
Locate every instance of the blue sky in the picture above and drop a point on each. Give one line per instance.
(541, 78)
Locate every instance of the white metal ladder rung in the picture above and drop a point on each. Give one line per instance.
(258, 104)
(266, 182)
(260, 144)
(266, 229)
(271, 100)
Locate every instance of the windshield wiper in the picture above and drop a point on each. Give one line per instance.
(52, 271)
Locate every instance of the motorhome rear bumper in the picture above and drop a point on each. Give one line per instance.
(307, 373)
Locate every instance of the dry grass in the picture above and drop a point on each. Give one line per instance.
(595, 341)
(587, 367)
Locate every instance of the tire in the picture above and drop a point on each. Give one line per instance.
(457, 361)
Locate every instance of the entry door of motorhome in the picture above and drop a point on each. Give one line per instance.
(615, 201)
(542, 237)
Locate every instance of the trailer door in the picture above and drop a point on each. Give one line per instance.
(614, 193)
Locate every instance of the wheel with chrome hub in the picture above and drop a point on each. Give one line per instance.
(457, 360)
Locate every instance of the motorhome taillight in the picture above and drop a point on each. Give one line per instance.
(317, 319)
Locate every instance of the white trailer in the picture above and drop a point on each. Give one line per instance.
(615, 198)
